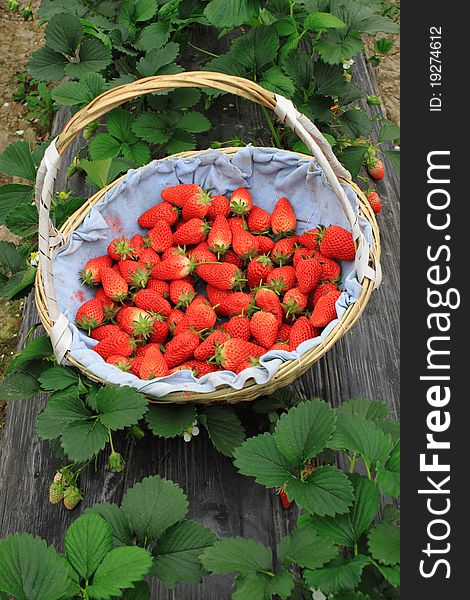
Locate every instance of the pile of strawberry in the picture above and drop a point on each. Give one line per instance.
(267, 288)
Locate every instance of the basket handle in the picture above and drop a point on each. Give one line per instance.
(317, 144)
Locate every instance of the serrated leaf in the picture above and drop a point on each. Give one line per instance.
(338, 529)
(359, 435)
(389, 132)
(169, 421)
(150, 127)
(181, 141)
(154, 505)
(261, 458)
(153, 36)
(377, 24)
(117, 519)
(223, 427)
(352, 158)
(154, 60)
(394, 157)
(194, 122)
(275, 80)
(366, 504)
(10, 258)
(120, 569)
(305, 548)
(63, 408)
(39, 347)
(18, 386)
(137, 11)
(104, 146)
(81, 440)
(252, 586)
(281, 584)
(119, 406)
(372, 410)
(299, 66)
(20, 281)
(241, 555)
(119, 124)
(355, 123)
(391, 427)
(97, 171)
(227, 14)
(327, 491)
(71, 93)
(47, 65)
(184, 98)
(391, 574)
(58, 378)
(334, 47)
(177, 553)
(256, 49)
(384, 543)
(13, 195)
(23, 220)
(16, 161)
(64, 33)
(140, 591)
(137, 152)
(329, 79)
(388, 475)
(32, 570)
(65, 209)
(338, 575)
(316, 21)
(305, 430)
(93, 56)
(87, 541)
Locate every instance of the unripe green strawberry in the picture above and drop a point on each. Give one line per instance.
(115, 462)
(72, 496)
(56, 492)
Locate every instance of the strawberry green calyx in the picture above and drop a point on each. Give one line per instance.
(142, 326)
(277, 285)
(140, 278)
(72, 496)
(185, 299)
(124, 249)
(87, 324)
(115, 462)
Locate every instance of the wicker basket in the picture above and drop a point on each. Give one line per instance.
(367, 258)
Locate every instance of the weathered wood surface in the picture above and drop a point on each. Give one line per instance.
(362, 364)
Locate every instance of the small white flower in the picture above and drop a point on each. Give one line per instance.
(396, 147)
(191, 432)
(347, 64)
(6, 104)
(34, 259)
(19, 132)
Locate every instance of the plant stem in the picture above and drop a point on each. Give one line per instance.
(367, 468)
(272, 129)
(203, 50)
(352, 462)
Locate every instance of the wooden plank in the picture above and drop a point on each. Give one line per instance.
(363, 363)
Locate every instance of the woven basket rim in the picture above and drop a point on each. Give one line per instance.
(288, 370)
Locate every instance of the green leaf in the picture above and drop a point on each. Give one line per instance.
(81, 440)
(316, 21)
(327, 491)
(10, 258)
(338, 529)
(335, 47)
(384, 543)
(177, 553)
(299, 67)
(356, 434)
(305, 430)
(377, 24)
(16, 161)
(352, 158)
(169, 421)
(355, 123)
(137, 152)
(32, 570)
(305, 548)
(140, 591)
(93, 56)
(58, 378)
(253, 586)
(366, 504)
(256, 49)
(151, 127)
(23, 220)
(73, 93)
(154, 505)
(65, 209)
(153, 36)
(227, 14)
(87, 541)
(275, 80)
(63, 408)
(64, 33)
(97, 171)
(383, 45)
(183, 98)
(181, 141)
(36, 348)
(135, 11)
(329, 80)
(194, 122)
(261, 458)
(242, 555)
(388, 475)
(119, 406)
(389, 132)
(47, 65)
(119, 124)
(372, 410)
(223, 427)
(117, 519)
(391, 574)
(282, 585)
(155, 59)
(391, 427)
(394, 157)
(120, 569)
(18, 282)
(18, 386)
(13, 195)
(338, 575)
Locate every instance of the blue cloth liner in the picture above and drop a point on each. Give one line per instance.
(269, 174)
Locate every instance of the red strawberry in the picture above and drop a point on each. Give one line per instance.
(264, 327)
(294, 301)
(196, 205)
(247, 364)
(325, 309)
(336, 242)
(136, 364)
(202, 255)
(265, 243)
(308, 274)
(90, 274)
(161, 237)
(376, 169)
(114, 285)
(142, 350)
(321, 290)
(268, 300)
(178, 194)
(301, 254)
(331, 271)
(90, 315)
(138, 244)
(286, 503)
(176, 316)
(283, 219)
(152, 301)
(198, 368)
(198, 300)
(160, 329)
(149, 257)
(259, 220)
(181, 293)
(163, 211)
(241, 202)
(181, 348)
(233, 258)
(121, 362)
(120, 248)
(205, 350)
(110, 308)
(238, 327)
(135, 321)
(161, 287)
(201, 317)
(301, 331)
(236, 303)
(258, 270)
(119, 343)
(177, 266)
(234, 351)
(282, 279)
(153, 364)
(375, 202)
(134, 272)
(244, 244)
(284, 332)
(191, 232)
(172, 251)
(220, 236)
(104, 331)
(280, 346)
(220, 205)
(237, 223)
(309, 239)
(283, 250)
(223, 276)
(215, 296)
